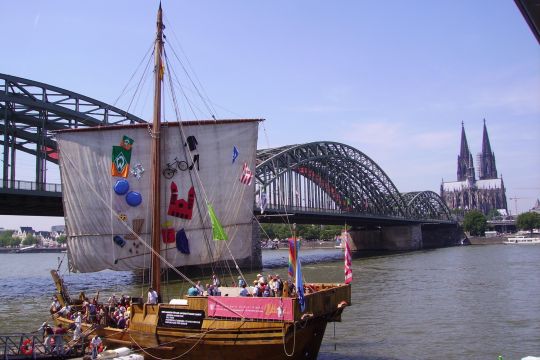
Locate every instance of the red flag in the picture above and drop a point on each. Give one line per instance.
(348, 268)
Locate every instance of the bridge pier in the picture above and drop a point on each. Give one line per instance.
(406, 237)
(389, 238)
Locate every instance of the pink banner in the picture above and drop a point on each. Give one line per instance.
(251, 307)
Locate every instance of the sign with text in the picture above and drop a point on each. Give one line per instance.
(178, 318)
(251, 307)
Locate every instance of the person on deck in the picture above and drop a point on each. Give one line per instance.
(244, 291)
(94, 344)
(200, 288)
(152, 296)
(77, 331)
(193, 291)
(215, 281)
(47, 335)
(59, 333)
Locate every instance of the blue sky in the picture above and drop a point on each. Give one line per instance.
(394, 79)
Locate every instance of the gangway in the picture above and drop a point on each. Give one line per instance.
(32, 346)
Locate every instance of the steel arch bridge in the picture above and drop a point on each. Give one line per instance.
(332, 178)
(322, 179)
(30, 110)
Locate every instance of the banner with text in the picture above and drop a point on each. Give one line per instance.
(251, 307)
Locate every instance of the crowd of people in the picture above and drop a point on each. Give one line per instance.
(263, 286)
(115, 312)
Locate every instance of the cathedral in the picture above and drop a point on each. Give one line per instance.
(467, 192)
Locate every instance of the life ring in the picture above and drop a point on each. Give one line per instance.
(26, 347)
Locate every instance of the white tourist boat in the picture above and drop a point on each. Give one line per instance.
(521, 240)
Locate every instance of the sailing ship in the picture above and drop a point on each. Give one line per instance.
(120, 216)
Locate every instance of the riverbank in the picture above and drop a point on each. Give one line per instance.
(481, 240)
(33, 250)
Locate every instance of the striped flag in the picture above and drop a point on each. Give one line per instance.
(247, 175)
(345, 237)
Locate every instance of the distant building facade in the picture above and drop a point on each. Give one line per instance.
(467, 193)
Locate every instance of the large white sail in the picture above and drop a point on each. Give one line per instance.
(99, 201)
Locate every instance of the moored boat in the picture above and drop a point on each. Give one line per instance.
(115, 220)
(522, 240)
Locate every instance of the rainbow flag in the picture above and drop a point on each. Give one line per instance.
(293, 253)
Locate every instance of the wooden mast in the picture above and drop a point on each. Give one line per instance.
(156, 157)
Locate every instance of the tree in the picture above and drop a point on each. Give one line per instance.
(475, 223)
(6, 238)
(528, 221)
(61, 239)
(29, 240)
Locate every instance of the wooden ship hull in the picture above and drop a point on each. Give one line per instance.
(156, 331)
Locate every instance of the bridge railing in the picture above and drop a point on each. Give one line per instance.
(30, 186)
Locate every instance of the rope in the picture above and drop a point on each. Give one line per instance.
(294, 341)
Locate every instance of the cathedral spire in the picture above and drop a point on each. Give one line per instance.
(465, 162)
(487, 167)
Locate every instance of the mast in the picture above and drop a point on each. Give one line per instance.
(156, 157)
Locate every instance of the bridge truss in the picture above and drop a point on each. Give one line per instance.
(30, 111)
(336, 178)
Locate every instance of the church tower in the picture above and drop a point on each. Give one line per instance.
(487, 167)
(467, 193)
(465, 166)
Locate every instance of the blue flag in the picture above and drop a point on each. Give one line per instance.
(300, 286)
(235, 154)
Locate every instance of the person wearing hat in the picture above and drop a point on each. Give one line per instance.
(77, 332)
(48, 333)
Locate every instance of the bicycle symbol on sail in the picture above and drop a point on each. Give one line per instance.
(173, 167)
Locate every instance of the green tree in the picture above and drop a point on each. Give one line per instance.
(61, 239)
(528, 221)
(6, 238)
(29, 240)
(475, 223)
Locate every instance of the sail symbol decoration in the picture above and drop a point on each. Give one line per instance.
(247, 175)
(179, 207)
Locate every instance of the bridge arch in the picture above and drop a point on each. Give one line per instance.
(326, 176)
(427, 205)
(31, 110)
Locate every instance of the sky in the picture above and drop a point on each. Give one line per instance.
(394, 79)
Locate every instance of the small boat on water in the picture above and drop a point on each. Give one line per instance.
(115, 220)
(522, 240)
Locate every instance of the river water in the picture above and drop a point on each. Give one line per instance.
(475, 302)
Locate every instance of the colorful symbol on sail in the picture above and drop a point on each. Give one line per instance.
(181, 208)
(247, 175)
(235, 154)
(121, 187)
(127, 142)
(122, 217)
(120, 161)
(137, 171)
(134, 198)
(118, 240)
(136, 226)
(191, 142)
(182, 243)
(218, 233)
